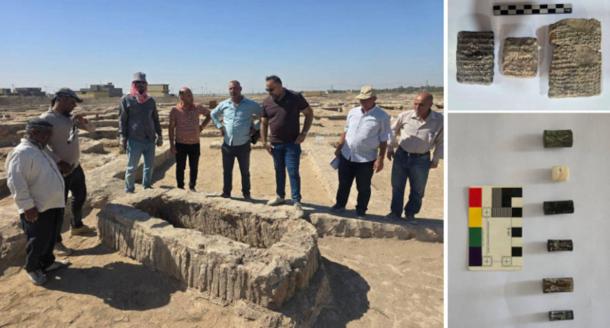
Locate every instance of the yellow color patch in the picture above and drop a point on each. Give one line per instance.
(475, 217)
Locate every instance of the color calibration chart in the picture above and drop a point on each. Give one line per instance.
(495, 228)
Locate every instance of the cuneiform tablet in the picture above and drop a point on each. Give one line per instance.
(561, 315)
(560, 173)
(558, 245)
(475, 57)
(558, 138)
(576, 63)
(520, 57)
(558, 207)
(558, 285)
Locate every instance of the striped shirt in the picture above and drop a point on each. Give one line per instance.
(186, 122)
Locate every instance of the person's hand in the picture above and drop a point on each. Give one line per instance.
(390, 155)
(159, 141)
(338, 150)
(64, 167)
(252, 131)
(123, 145)
(300, 138)
(222, 131)
(31, 215)
(269, 148)
(433, 165)
(200, 128)
(378, 165)
(81, 119)
(172, 148)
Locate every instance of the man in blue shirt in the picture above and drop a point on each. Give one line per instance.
(361, 150)
(237, 127)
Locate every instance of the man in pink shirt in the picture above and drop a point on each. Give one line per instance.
(184, 130)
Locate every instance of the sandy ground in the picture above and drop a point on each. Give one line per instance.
(313, 192)
(382, 283)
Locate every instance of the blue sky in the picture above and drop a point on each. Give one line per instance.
(203, 44)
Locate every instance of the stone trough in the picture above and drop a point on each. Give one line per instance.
(227, 249)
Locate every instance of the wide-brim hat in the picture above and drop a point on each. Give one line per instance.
(366, 92)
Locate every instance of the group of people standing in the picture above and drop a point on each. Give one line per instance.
(45, 166)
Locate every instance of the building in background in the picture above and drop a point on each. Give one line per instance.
(158, 90)
(101, 91)
(29, 92)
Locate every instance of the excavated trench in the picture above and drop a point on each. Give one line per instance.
(229, 250)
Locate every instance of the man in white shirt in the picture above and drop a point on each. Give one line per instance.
(361, 150)
(37, 186)
(414, 135)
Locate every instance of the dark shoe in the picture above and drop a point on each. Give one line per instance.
(37, 277)
(192, 189)
(411, 218)
(223, 195)
(58, 264)
(247, 197)
(393, 216)
(337, 209)
(62, 250)
(82, 231)
(360, 214)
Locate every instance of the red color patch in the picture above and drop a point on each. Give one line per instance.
(474, 197)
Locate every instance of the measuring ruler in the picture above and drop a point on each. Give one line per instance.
(532, 9)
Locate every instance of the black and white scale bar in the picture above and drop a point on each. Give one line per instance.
(532, 9)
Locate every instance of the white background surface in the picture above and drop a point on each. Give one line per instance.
(507, 149)
(510, 93)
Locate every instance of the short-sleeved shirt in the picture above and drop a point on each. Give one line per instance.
(283, 115)
(364, 131)
(418, 136)
(186, 122)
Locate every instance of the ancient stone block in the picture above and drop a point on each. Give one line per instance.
(558, 207)
(576, 65)
(560, 173)
(561, 315)
(558, 138)
(228, 250)
(520, 57)
(475, 57)
(558, 285)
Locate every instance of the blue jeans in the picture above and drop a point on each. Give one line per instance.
(286, 156)
(415, 169)
(135, 149)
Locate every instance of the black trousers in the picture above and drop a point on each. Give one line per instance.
(41, 236)
(182, 152)
(229, 154)
(363, 173)
(75, 184)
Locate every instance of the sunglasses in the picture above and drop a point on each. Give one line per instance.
(269, 90)
(139, 82)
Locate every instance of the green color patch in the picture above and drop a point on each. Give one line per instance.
(475, 236)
